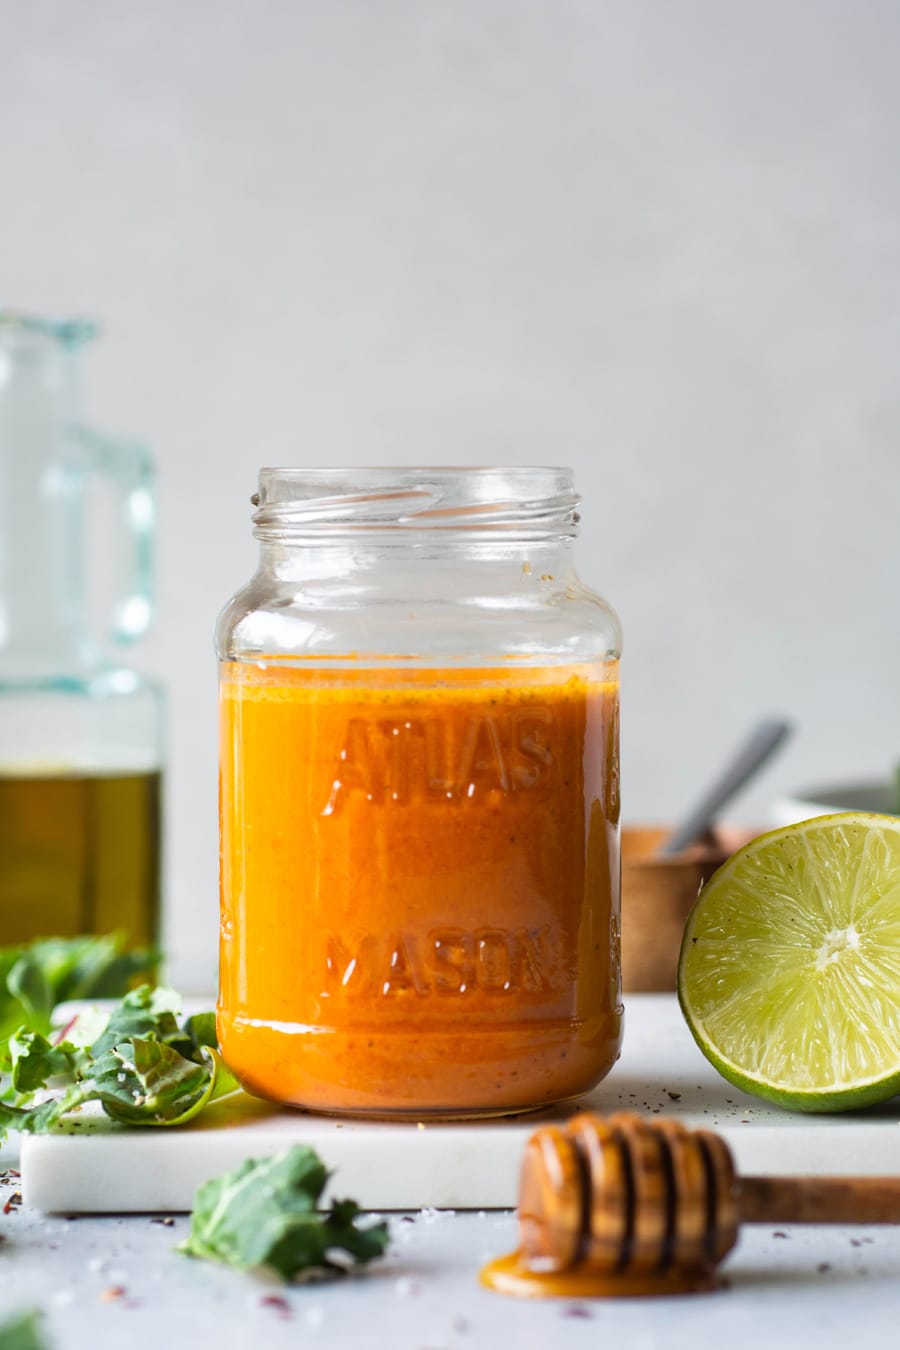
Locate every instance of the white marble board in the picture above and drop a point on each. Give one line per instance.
(104, 1168)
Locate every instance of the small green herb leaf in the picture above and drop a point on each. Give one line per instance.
(147, 1013)
(145, 1082)
(264, 1215)
(35, 1060)
(40, 1119)
(22, 1333)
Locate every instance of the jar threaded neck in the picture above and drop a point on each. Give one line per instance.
(321, 505)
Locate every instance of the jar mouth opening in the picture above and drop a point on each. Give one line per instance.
(320, 503)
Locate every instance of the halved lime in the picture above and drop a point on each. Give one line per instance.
(789, 975)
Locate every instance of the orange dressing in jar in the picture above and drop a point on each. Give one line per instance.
(419, 858)
(419, 886)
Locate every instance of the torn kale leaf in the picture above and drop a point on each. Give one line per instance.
(265, 1215)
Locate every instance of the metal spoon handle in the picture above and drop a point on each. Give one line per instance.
(764, 740)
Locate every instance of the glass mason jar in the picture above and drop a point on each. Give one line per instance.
(419, 797)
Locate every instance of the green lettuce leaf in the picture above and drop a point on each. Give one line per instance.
(264, 1215)
(35, 978)
(40, 1119)
(144, 1067)
(201, 1028)
(149, 1083)
(147, 1013)
(139, 1082)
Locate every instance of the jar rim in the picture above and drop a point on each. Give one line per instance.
(524, 502)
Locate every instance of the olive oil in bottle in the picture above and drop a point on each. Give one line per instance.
(80, 853)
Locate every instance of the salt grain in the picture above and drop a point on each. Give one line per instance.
(406, 1287)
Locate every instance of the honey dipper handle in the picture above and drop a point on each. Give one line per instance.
(819, 1199)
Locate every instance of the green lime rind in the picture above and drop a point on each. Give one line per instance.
(789, 971)
(846, 1099)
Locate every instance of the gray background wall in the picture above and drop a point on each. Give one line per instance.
(657, 241)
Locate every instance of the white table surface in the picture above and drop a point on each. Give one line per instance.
(424, 1295)
(822, 1286)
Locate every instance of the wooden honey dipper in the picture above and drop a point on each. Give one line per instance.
(619, 1206)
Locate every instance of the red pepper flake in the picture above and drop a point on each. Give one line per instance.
(13, 1202)
(577, 1310)
(279, 1304)
(112, 1294)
